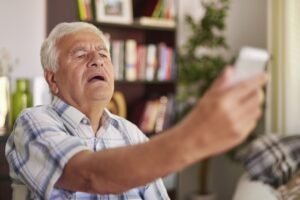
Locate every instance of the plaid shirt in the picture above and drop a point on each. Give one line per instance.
(46, 137)
(272, 159)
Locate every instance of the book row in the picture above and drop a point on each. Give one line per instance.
(138, 62)
(158, 114)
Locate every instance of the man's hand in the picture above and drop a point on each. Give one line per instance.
(225, 115)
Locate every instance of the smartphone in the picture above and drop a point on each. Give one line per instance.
(250, 62)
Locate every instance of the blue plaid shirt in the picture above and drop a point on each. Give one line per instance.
(46, 137)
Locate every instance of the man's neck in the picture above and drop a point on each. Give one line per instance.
(93, 112)
(92, 109)
(95, 118)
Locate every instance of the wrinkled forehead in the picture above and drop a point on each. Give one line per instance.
(82, 38)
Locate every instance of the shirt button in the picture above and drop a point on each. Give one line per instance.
(85, 121)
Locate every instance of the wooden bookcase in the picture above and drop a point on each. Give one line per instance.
(5, 182)
(135, 92)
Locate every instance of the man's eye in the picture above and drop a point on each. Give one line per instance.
(103, 55)
(81, 55)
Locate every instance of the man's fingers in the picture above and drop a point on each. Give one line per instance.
(258, 95)
(251, 110)
(261, 96)
(250, 104)
(249, 113)
(245, 88)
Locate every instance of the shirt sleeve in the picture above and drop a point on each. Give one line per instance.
(156, 190)
(37, 151)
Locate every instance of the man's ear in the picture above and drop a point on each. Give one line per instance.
(50, 78)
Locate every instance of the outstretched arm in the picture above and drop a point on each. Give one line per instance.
(222, 119)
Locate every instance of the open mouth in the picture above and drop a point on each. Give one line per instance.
(97, 78)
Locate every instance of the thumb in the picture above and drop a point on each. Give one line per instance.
(223, 80)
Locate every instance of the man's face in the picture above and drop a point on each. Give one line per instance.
(85, 72)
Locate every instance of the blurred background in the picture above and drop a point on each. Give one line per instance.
(150, 42)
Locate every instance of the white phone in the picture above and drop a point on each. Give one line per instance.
(250, 62)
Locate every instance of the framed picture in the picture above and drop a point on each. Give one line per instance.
(114, 11)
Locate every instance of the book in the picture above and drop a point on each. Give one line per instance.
(169, 115)
(170, 64)
(165, 57)
(117, 54)
(161, 113)
(158, 11)
(141, 62)
(122, 60)
(151, 62)
(130, 60)
(85, 10)
(81, 10)
(88, 10)
(150, 113)
(163, 62)
(158, 114)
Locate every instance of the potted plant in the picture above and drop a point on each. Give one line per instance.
(200, 60)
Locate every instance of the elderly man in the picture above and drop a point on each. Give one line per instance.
(76, 149)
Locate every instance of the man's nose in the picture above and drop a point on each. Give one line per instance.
(95, 60)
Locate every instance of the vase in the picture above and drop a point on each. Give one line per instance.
(4, 105)
(21, 98)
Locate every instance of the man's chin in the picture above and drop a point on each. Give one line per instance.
(100, 97)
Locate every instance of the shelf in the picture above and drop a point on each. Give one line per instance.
(156, 22)
(134, 25)
(146, 82)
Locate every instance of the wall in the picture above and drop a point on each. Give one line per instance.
(246, 25)
(22, 32)
(283, 99)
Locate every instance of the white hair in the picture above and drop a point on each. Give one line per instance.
(49, 51)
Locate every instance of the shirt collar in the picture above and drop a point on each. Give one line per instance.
(74, 117)
(68, 113)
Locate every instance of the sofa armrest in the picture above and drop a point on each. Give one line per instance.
(248, 189)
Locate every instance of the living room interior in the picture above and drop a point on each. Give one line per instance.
(272, 25)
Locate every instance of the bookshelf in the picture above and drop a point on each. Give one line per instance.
(139, 91)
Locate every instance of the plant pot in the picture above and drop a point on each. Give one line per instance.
(203, 197)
